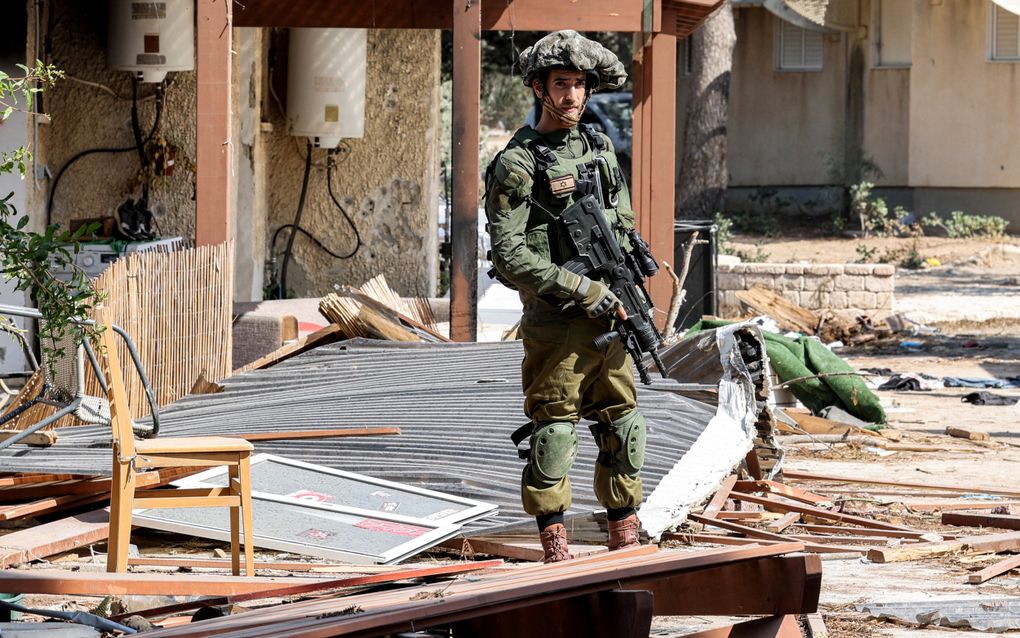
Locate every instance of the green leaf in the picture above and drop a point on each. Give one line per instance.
(23, 222)
(7, 112)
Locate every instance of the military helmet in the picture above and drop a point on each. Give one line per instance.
(569, 49)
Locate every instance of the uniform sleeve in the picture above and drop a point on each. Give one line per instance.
(508, 210)
(624, 210)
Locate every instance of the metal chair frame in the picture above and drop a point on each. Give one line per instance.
(78, 402)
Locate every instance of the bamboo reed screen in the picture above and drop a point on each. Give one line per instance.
(177, 308)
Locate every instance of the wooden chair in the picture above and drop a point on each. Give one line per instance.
(131, 457)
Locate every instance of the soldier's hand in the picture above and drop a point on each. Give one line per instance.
(596, 298)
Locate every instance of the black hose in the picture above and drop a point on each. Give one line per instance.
(281, 292)
(63, 169)
(330, 165)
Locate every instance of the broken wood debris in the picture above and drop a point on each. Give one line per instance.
(1000, 521)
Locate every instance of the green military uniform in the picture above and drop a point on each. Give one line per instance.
(564, 377)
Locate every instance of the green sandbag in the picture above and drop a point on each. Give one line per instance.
(805, 357)
(786, 357)
(854, 394)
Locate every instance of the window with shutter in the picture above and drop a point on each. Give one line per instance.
(1005, 34)
(797, 49)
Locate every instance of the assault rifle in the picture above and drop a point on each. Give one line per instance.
(599, 256)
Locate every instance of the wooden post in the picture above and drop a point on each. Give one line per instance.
(654, 158)
(213, 153)
(467, 63)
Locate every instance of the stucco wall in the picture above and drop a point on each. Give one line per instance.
(388, 182)
(86, 117)
(964, 108)
(786, 128)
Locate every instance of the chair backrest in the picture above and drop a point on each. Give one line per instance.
(120, 414)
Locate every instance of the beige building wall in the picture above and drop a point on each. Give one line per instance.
(91, 108)
(786, 127)
(388, 183)
(964, 109)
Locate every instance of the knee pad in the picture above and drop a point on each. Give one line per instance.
(553, 450)
(622, 442)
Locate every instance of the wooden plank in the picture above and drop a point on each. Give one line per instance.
(43, 438)
(817, 425)
(471, 546)
(654, 146)
(302, 588)
(779, 525)
(290, 566)
(777, 585)
(397, 611)
(789, 491)
(28, 479)
(519, 15)
(970, 435)
(467, 58)
(323, 336)
(716, 539)
(757, 533)
(59, 536)
(990, 572)
(991, 543)
(788, 315)
(720, 497)
(1001, 521)
(888, 533)
(57, 503)
(85, 487)
(913, 552)
(960, 505)
(772, 627)
(618, 613)
(316, 434)
(68, 583)
(213, 153)
(818, 512)
(810, 476)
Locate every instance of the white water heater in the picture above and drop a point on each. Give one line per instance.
(151, 38)
(326, 84)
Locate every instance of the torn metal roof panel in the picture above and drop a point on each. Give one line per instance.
(456, 406)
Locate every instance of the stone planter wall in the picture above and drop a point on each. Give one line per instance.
(846, 289)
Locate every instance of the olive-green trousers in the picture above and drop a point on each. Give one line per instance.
(565, 379)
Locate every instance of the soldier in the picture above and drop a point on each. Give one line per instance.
(564, 377)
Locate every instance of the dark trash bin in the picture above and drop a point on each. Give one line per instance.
(701, 284)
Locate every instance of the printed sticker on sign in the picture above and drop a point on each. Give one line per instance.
(389, 527)
(309, 495)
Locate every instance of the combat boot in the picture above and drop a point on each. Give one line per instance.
(554, 544)
(623, 534)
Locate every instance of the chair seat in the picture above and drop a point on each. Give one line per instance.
(192, 444)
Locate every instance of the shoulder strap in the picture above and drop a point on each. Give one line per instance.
(596, 140)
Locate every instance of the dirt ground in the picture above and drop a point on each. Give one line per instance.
(973, 299)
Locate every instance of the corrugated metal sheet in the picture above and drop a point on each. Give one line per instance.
(456, 405)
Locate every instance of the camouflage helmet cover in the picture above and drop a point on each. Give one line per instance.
(572, 50)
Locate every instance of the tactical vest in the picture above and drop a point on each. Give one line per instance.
(557, 183)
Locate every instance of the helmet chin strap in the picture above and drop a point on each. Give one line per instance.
(568, 119)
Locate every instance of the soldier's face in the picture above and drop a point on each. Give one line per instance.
(566, 89)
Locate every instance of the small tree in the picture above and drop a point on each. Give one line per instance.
(30, 258)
